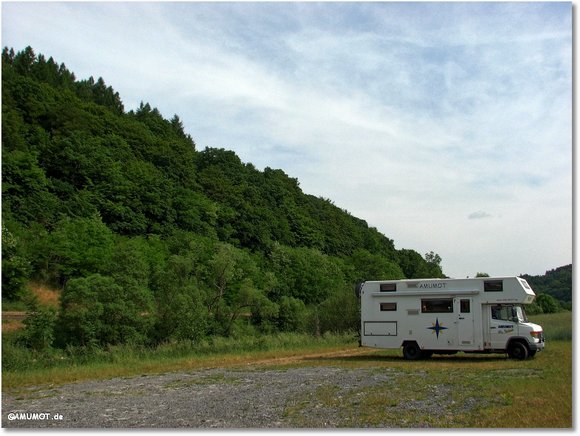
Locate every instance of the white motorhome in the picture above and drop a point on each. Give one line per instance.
(426, 316)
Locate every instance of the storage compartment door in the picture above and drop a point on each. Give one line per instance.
(380, 328)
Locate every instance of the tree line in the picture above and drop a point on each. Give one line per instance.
(152, 240)
(554, 289)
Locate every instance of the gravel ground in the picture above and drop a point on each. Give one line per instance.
(301, 397)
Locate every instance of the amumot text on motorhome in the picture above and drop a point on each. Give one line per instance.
(427, 316)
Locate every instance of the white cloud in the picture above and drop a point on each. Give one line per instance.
(480, 214)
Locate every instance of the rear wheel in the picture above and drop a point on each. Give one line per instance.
(411, 351)
(517, 350)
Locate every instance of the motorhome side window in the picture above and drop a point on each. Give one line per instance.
(493, 286)
(388, 287)
(503, 313)
(442, 305)
(465, 306)
(388, 307)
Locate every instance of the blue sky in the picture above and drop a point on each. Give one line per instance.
(448, 126)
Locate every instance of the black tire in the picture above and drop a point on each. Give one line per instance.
(518, 350)
(411, 351)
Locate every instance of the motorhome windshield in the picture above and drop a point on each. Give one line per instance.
(521, 314)
(509, 313)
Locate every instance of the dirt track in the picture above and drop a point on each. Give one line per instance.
(259, 396)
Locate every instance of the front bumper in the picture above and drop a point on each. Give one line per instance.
(538, 344)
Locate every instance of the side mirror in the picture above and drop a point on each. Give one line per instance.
(358, 289)
(514, 315)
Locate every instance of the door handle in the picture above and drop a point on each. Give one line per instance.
(461, 318)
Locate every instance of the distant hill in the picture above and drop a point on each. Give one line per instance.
(556, 282)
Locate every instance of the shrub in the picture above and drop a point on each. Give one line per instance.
(79, 247)
(291, 315)
(15, 268)
(339, 313)
(548, 303)
(39, 325)
(98, 311)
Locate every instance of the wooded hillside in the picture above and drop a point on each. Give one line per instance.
(151, 239)
(556, 282)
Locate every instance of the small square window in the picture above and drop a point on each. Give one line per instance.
(388, 307)
(465, 306)
(388, 287)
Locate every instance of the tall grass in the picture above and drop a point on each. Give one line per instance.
(557, 326)
(22, 366)
(18, 358)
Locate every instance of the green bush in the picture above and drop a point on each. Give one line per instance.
(97, 311)
(291, 315)
(15, 268)
(339, 313)
(39, 326)
(548, 303)
(79, 247)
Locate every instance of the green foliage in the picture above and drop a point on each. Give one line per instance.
(79, 247)
(368, 266)
(547, 303)
(15, 268)
(339, 313)
(415, 267)
(95, 310)
(25, 189)
(181, 305)
(39, 325)
(305, 273)
(291, 315)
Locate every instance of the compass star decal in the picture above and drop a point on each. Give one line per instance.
(437, 327)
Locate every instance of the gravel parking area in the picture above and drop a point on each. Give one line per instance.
(299, 397)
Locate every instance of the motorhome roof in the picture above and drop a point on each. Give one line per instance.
(440, 279)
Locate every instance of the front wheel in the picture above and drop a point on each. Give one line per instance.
(411, 351)
(518, 351)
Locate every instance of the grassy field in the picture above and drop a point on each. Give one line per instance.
(535, 393)
(557, 326)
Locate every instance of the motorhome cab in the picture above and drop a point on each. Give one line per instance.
(427, 316)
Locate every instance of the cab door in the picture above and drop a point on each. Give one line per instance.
(465, 323)
(501, 325)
